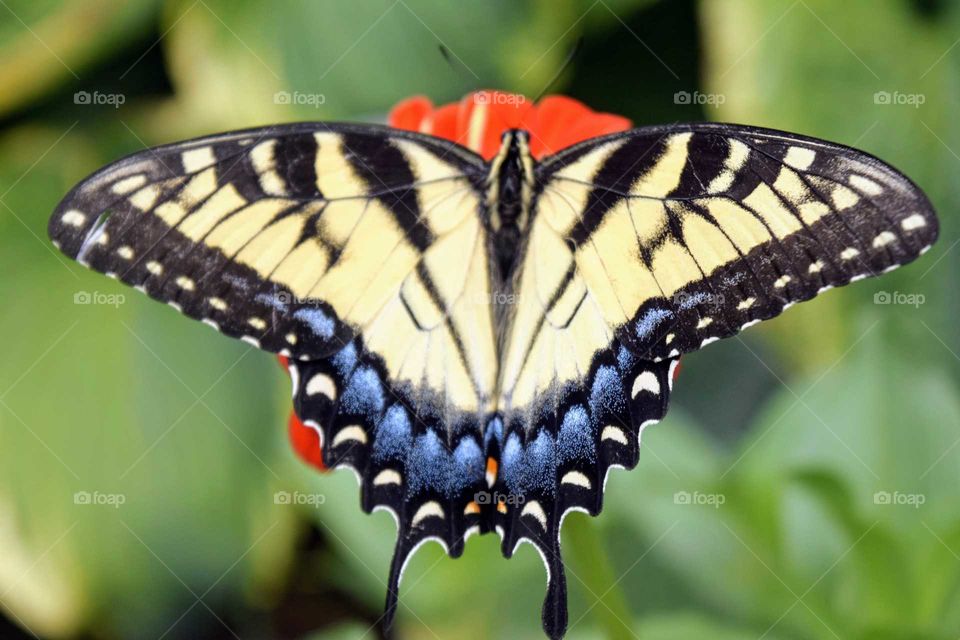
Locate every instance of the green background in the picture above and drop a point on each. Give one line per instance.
(794, 427)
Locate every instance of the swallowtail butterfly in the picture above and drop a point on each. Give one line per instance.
(482, 341)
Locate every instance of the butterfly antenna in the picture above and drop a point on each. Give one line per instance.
(563, 67)
(455, 64)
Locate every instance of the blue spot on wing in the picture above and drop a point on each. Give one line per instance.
(468, 465)
(345, 360)
(317, 321)
(428, 465)
(625, 359)
(393, 438)
(606, 394)
(649, 322)
(576, 437)
(364, 394)
(533, 468)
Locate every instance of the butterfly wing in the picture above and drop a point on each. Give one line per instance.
(646, 245)
(357, 250)
(687, 234)
(290, 237)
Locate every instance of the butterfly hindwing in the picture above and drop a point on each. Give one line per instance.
(687, 234)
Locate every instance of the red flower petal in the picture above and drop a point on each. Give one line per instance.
(305, 442)
(479, 120)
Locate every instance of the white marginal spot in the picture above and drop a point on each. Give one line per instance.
(430, 509)
(322, 383)
(883, 239)
(217, 304)
(76, 218)
(127, 185)
(799, 157)
(257, 323)
(816, 267)
(704, 322)
(579, 479)
(616, 434)
(859, 277)
(475, 529)
(746, 304)
(533, 508)
(825, 288)
(294, 378)
(849, 253)
(354, 432)
(110, 274)
(197, 159)
(782, 281)
(747, 325)
(673, 354)
(155, 267)
(210, 323)
(709, 340)
(312, 424)
(646, 381)
(284, 352)
(916, 221)
(866, 185)
(125, 252)
(251, 340)
(387, 476)
(892, 267)
(185, 283)
(140, 288)
(672, 370)
(174, 305)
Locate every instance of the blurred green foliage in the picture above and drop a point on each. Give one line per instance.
(805, 485)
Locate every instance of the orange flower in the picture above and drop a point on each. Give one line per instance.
(477, 122)
(481, 117)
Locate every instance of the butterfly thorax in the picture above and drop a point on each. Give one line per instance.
(509, 187)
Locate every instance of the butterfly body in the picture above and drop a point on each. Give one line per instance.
(483, 341)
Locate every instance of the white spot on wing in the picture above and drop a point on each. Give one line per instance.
(127, 185)
(430, 509)
(849, 253)
(353, 432)
(197, 159)
(322, 383)
(385, 477)
(916, 221)
(799, 158)
(577, 478)
(534, 509)
(883, 239)
(74, 218)
(616, 434)
(646, 381)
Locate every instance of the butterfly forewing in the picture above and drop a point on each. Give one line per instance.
(687, 234)
(291, 237)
